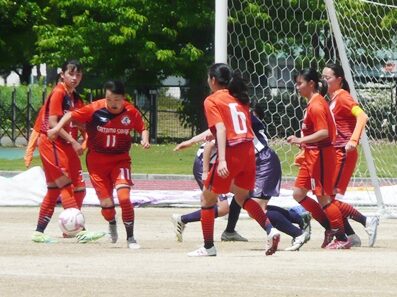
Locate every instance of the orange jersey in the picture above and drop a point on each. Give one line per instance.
(109, 133)
(221, 107)
(341, 106)
(57, 104)
(317, 117)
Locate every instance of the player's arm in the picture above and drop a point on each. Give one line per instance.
(56, 127)
(145, 139)
(221, 143)
(207, 158)
(206, 135)
(361, 121)
(58, 130)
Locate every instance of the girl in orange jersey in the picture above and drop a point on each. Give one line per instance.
(350, 121)
(316, 172)
(109, 123)
(60, 158)
(229, 120)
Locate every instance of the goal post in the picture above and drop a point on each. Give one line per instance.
(269, 41)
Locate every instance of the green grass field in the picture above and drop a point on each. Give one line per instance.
(161, 159)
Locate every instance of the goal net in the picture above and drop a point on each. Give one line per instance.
(268, 41)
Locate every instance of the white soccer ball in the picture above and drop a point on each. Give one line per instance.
(71, 221)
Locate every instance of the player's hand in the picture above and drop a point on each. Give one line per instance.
(294, 140)
(183, 145)
(222, 169)
(77, 148)
(350, 146)
(52, 133)
(145, 144)
(204, 175)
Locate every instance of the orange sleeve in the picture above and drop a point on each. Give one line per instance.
(56, 101)
(347, 103)
(139, 124)
(212, 113)
(84, 114)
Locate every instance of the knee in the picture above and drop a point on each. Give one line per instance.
(106, 203)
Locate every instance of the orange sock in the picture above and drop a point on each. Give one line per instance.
(207, 225)
(335, 220)
(315, 209)
(349, 211)
(79, 196)
(67, 197)
(47, 208)
(109, 213)
(255, 212)
(127, 208)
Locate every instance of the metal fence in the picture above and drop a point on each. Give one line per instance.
(159, 107)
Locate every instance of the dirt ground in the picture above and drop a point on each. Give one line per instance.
(161, 267)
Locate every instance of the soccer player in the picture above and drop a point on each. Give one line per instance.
(109, 123)
(350, 121)
(316, 172)
(267, 184)
(227, 113)
(205, 158)
(60, 158)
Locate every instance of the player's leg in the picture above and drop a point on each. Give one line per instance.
(230, 233)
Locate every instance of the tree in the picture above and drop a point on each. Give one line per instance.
(17, 39)
(139, 41)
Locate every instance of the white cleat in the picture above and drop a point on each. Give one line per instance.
(273, 240)
(179, 226)
(132, 244)
(355, 240)
(299, 241)
(203, 252)
(371, 226)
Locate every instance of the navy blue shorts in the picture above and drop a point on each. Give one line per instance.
(268, 174)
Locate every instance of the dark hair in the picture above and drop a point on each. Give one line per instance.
(338, 71)
(259, 111)
(231, 80)
(114, 86)
(310, 74)
(73, 65)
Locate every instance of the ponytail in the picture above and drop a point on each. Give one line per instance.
(238, 88)
(322, 87)
(231, 80)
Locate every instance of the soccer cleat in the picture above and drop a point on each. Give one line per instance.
(203, 252)
(339, 245)
(232, 236)
(113, 233)
(273, 240)
(355, 240)
(132, 244)
(328, 237)
(297, 242)
(40, 237)
(371, 226)
(179, 226)
(87, 236)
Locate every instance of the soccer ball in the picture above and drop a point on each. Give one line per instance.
(71, 221)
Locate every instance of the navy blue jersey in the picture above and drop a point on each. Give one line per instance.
(260, 140)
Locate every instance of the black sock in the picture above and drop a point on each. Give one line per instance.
(234, 213)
